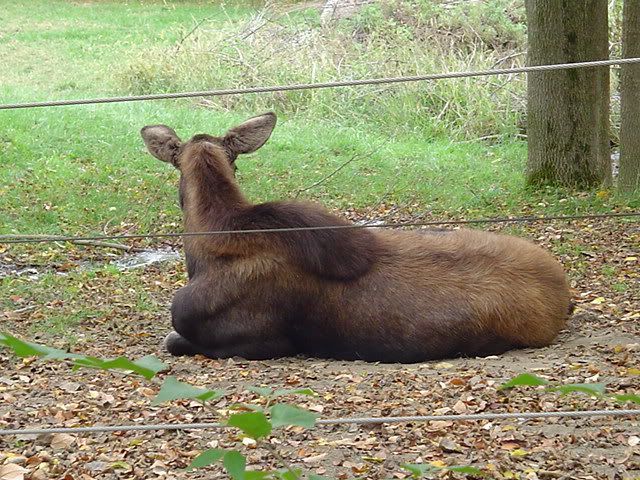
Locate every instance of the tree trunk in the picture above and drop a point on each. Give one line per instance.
(629, 179)
(568, 110)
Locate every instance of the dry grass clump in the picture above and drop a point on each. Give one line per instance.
(286, 45)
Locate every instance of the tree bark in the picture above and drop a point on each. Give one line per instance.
(568, 110)
(629, 177)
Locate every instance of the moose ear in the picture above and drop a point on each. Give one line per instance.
(162, 142)
(250, 135)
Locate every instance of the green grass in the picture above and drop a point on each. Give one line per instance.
(83, 169)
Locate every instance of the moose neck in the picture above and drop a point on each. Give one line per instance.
(211, 195)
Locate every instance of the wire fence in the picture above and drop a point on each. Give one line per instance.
(26, 238)
(331, 421)
(17, 238)
(313, 86)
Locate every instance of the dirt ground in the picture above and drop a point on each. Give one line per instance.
(602, 344)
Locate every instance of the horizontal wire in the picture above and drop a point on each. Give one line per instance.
(310, 86)
(329, 421)
(18, 238)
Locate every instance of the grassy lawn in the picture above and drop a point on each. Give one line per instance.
(77, 169)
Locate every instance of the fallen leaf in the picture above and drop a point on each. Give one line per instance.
(436, 425)
(460, 407)
(62, 441)
(12, 471)
(444, 365)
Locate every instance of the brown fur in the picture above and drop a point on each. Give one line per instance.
(343, 293)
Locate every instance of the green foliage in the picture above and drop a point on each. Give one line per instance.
(173, 389)
(27, 349)
(420, 469)
(627, 398)
(259, 475)
(235, 464)
(524, 379)
(254, 424)
(147, 366)
(400, 38)
(271, 393)
(284, 415)
(75, 170)
(498, 25)
(206, 458)
(293, 474)
(593, 389)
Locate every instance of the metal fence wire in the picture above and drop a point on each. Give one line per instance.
(27, 238)
(330, 421)
(312, 86)
(18, 238)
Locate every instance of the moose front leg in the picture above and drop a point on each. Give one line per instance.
(177, 345)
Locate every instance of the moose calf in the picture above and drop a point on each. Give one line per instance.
(387, 296)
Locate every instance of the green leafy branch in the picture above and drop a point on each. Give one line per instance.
(258, 422)
(593, 389)
(418, 470)
(147, 366)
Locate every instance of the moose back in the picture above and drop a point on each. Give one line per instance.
(343, 293)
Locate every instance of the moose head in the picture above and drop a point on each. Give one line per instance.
(164, 144)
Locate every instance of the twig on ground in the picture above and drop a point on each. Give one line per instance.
(334, 172)
(327, 177)
(191, 32)
(91, 243)
(491, 137)
(508, 57)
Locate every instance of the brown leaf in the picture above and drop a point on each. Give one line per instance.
(460, 407)
(437, 425)
(457, 381)
(11, 471)
(62, 441)
(509, 445)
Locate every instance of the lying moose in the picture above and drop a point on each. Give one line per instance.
(346, 293)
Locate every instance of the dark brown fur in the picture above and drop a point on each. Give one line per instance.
(344, 293)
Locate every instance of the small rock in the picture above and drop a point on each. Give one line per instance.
(97, 466)
(70, 386)
(450, 446)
